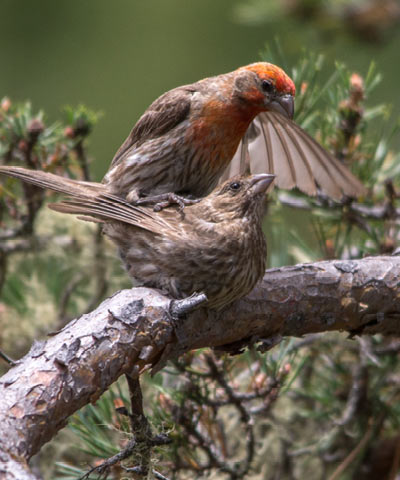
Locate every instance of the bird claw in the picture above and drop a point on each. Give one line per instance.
(161, 205)
(166, 200)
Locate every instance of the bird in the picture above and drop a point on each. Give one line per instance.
(193, 136)
(215, 246)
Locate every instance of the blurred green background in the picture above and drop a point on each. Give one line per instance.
(117, 57)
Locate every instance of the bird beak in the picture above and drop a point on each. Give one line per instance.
(283, 104)
(259, 183)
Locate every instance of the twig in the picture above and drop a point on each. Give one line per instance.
(204, 444)
(3, 269)
(68, 291)
(356, 395)
(140, 471)
(218, 375)
(391, 347)
(396, 462)
(7, 359)
(141, 442)
(107, 464)
(18, 245)
(220, 401)
(353, 454)
(99, 270)
(140, 426)
(371, 212)
(82, 159)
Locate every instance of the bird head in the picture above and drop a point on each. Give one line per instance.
(241, 195)
(266, 87)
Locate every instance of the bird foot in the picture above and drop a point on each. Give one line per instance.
(165, 200)
(179, 308)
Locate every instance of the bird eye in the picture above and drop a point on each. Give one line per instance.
(267, 86)
(235, 186)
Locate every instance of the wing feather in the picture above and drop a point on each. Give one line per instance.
(267, 152)
(281, 139)
(268, 145)
(278, 145)
(337, 172)
(110, 208)
(101, 211)
(304, 175)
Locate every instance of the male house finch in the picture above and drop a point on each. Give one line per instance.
(215, 246)
(186, 139)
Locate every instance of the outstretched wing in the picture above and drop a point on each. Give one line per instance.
(274, 144)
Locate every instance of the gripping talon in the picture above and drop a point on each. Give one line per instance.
(166, 200)
(161, 205)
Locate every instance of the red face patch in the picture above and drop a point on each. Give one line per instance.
(268, 71)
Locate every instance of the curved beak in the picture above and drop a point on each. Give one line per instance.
(259, 183)
(283, 104)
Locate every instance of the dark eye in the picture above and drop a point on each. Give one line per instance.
(267, 86)
(235, 186)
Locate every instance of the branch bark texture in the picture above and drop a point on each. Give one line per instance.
(133, 331)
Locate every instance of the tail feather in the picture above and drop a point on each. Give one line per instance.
(90, 199)
(53, 182)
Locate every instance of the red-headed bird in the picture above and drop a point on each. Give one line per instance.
(187, 139)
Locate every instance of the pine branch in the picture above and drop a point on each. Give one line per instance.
(134, 331)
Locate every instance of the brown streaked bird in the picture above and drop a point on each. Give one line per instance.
(186, 139)
(215, 246)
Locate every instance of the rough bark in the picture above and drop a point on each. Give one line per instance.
(133, 331)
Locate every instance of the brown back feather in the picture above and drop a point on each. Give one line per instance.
(163, 115)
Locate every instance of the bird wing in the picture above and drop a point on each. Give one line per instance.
(107, 208)
(163, 114)
(275, 144)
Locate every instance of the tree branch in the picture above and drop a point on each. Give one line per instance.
(133, 331)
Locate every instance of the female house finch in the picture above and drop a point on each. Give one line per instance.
(186, 139)
(215, 246)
